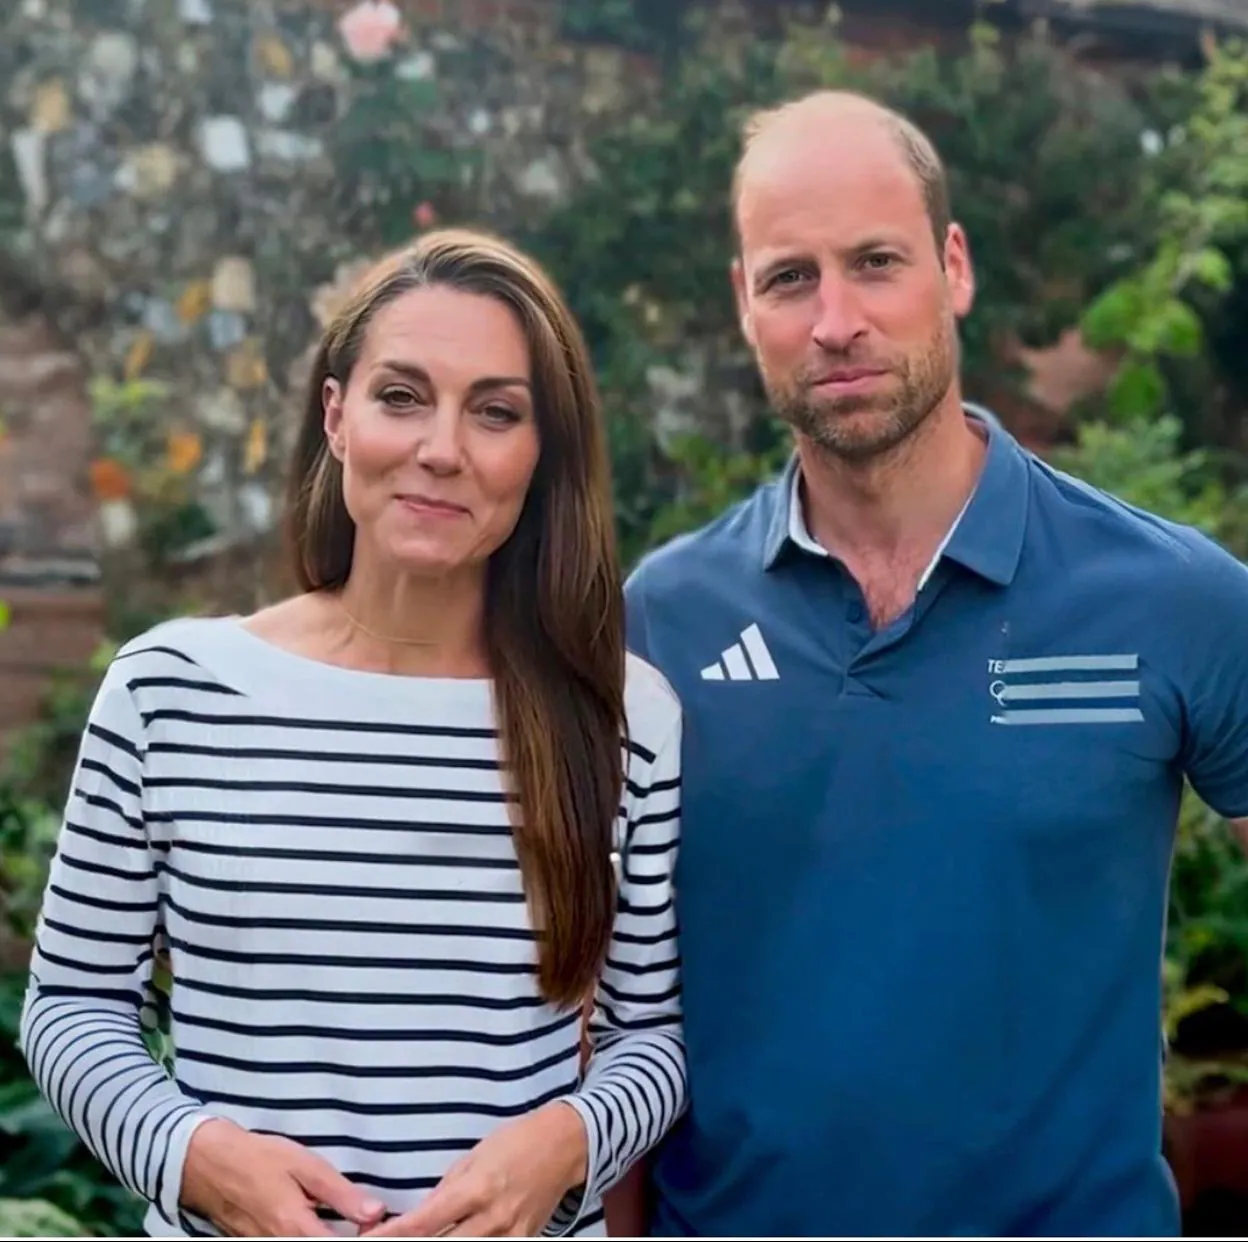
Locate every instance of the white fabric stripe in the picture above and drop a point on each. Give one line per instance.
(760, 657)
(734, 662)
(1069, 664)
(353, 965)
(1073, 690)
(1070, 715)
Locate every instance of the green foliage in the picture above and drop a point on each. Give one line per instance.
(1147, 466)
(1206, 964)
(712, 479)
(1157, 313)
(391, 152)
(641, 25)
(1209, 907)
(642, 250)
(42, 753)
(28, 831)
(37, 1218)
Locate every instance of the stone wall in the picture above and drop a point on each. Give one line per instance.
(197, 168)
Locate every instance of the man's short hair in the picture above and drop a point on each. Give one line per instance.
(919, 152)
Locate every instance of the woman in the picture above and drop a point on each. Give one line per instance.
(383, 827)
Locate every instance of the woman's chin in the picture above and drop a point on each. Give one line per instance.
(426, 559)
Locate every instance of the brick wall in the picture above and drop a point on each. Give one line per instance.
(47, 531)
(51, 629)
(45, 448)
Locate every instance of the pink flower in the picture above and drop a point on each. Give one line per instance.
(371, 29)
(425, 215)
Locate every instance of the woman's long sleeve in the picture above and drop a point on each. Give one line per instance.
(635, 1084)
(81, 1032)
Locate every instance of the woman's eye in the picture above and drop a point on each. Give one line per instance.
(398, 398)
(501, 414)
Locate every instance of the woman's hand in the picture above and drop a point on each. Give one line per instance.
(261, 1186)
(508, 1186)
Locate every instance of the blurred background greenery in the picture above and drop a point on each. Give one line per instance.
(1115, 216)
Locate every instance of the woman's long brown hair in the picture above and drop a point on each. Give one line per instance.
(554, 625)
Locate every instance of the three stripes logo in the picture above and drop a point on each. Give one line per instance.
(1062, 690)
(746, 660)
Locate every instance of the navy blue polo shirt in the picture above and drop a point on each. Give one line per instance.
(922, 880)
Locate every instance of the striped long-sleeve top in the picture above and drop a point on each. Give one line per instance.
(326, 857)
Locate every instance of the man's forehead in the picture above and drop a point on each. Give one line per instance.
(812, 132)
(786, 199)
(842, 151)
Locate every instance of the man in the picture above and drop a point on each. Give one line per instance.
(939, 703)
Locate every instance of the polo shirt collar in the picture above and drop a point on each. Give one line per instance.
(986, 538)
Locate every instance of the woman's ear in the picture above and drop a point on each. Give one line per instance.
(331, 402)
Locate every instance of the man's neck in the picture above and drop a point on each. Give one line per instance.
(887, 518)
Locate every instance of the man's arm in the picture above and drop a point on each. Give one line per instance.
(1241, 831)
(1213, 679)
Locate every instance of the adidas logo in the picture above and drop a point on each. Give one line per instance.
(746, 660)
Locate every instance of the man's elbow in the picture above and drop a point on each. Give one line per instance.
(1240, 828)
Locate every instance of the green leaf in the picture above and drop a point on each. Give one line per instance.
(36, 1218)
(1113, 316)
(1211, 267)
(421, 94)
(6, 615)
(1138, 391)
(1179, 331)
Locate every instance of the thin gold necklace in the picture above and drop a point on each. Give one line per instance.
(381, 638)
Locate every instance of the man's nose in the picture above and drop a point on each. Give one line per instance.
(841, 319)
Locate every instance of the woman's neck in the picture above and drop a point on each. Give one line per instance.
(418, 625)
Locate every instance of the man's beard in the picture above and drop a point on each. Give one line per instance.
(837, 424)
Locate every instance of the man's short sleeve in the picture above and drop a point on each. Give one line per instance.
(637, 631)
(1214, 609)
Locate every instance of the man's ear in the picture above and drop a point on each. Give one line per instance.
(743, 302)
(331, 402)
(959, 271)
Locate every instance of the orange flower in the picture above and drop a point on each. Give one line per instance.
(109, 479)
(183, 451)
(256, 448)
